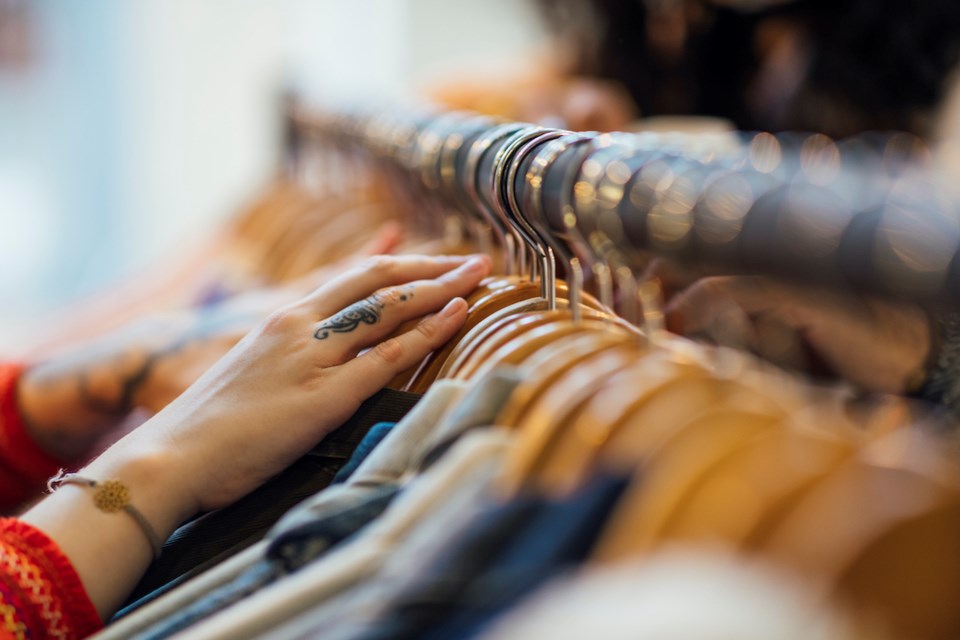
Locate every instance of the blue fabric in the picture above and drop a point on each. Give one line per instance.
(214, 537)
(370, 441)
(505, 554)
(286, 554)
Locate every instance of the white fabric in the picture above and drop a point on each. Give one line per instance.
(412, 429)
(360, 558)
(675, 595)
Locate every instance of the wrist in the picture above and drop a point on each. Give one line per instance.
(156, 478)
(110, 550)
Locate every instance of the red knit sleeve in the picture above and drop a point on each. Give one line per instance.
(41, 595)
(24, 467)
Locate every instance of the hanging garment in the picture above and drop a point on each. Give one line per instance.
(41, 595)
(439, 500)
(213, 537)
(289, 552)
(370, 442)
(384, 467)
(388, 465)
(502, 557)
(655, 597)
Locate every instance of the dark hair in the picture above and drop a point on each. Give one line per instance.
(884, 61)
(873, 63)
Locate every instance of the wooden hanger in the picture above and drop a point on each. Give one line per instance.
(481, 305)
(650, 419)
(903, 447)
(523, 327)
(547, 412)
(513, 322)
(769, 475)
(521, 347)
(882, 539)
(521, 312)
(577, 431)
(674, 469)
(544, 368)
(667, 394)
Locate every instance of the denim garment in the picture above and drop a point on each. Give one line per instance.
(477, 408)
(505, 555)
(387, 464)
(444, 496)
(289, 552)
(370, 441)
(390, 461)
(220, 534)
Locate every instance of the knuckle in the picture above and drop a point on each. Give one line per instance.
(453, 276)
(379, 265)
(388, 296)
(281, 321)
(427, 328)
(389, 351)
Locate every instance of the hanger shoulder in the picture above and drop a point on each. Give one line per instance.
(487, 330)
(516, 351)
(497, 335)
(674, 470)
(578, 450)
(549, 412)
(545, 367)
(767, 476)
(479, 311)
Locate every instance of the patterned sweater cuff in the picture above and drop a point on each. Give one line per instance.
(24, 466)
(41, 595)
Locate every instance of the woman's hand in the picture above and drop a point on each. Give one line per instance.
(73, 403)
(878, 345)
(277, 393)
(298, 376)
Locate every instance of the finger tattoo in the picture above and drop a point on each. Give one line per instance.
(366, 311)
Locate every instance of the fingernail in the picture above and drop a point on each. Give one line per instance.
(452, 308)
(475, 265)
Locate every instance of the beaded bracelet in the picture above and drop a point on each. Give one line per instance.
(110, 496)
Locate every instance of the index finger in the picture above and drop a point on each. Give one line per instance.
(377, 273)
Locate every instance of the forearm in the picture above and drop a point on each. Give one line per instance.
(69, 402)
(61, 410)
(270, 399)
(109, 550)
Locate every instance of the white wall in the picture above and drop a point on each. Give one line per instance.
(140, 123)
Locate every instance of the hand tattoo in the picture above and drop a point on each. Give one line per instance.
(366, 311)
(129, 380)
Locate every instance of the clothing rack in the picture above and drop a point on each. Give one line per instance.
(863, 213)
(528, 403)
